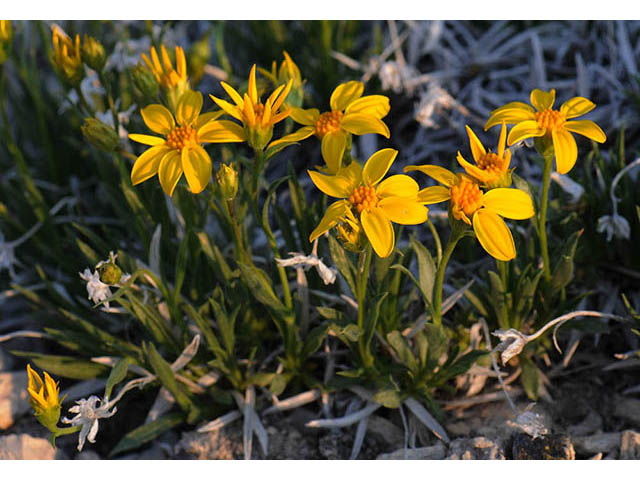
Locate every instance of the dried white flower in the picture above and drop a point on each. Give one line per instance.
(391, 76)
(531, 422)
(88, 414)
(433, 101)
(299, 260)
(615, 226)
(97, 290)
(572, 188)
(511, 343)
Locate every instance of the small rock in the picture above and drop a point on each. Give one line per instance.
(479, 448)
(459, 429)
(600, 442)
(386, 430)
(14, 399)
(628, 409)
(597, 456)
(26, 447)
(328, 445)
(154, 453)
(591, 423)
(548, 447)
(630, 445)
(87, 455)
(435, 452)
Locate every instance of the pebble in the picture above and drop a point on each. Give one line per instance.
(435, 452)
(478, 448)
(26, 447)
(628, 409)
(14, 399)
(630, 445)
(548, 447)
(600, 442)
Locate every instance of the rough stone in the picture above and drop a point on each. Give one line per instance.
(590, 424)
(26, 447)
(627, 409)
(14, 399)
(479, 448)
(435, 452)
(386, 430)
(630, 445)
(87, 455)
(600, 442)
(548, 447)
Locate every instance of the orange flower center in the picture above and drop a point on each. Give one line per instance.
(491, 163)
(328, 122)
(181, 137)
(550, 119)
(364, 198)
(466, 198)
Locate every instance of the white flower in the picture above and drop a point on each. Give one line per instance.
(97, 290)
(87, 416)
(615, 226)
(299, 260)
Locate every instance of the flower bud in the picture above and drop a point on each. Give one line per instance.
(110, 273)
(100, 135)
(44, 399)
(66, 58)
(146, 83)
(6, 35)
(258, 136)
(93, 53)
(351, 234)
(227, 177)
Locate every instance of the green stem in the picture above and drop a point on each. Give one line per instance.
(364, 264)
(436, 238)
(237, 233)
(542, 216)
(454, 237)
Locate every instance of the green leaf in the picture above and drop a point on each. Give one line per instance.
(328, 313)
(438, 342)
(401, 347)
(426, 268)
(181, 265)
(215, 257)
(408, 273)
(279, 383)
(461, 365)
(262, 379)
(259, 284)
(563, 273)
(152, 321)
(145, 433)
(226, 325)
(341, 261)
(348, 333)
(388, 398)
(314, 340)
(422, 346)
(530, 377)
(270, 152)
(68, 367)
(165, 375)
(371, 321)
(118, 374)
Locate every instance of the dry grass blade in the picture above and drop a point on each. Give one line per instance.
(293, 402)
(360, 433)
(221, 421)
(425, 417)
(346, 420)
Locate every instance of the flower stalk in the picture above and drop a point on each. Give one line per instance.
(364, 264)
(454, 238)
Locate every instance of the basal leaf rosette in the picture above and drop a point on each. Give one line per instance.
(481, 210)
(549, 126)
(369, 201)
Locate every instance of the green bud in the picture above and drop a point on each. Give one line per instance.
(227, 178)
(100, 135)
(258, 137)
(146, 83)
(110, 273)
(93, 53)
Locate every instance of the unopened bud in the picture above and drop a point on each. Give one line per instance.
(6, 35)
(100, 135)
(93, 53)
(227, 178)
(146, 83)
(110, 273)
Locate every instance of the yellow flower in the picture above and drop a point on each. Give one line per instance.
(482, 210)
(374, 202)
(552, 125)
(257, 118)
(44, 398)
(351, 113)
(491, 169)
(288, 71)
(167, 76)
(6, 31)
(180, 150)
(67, 59)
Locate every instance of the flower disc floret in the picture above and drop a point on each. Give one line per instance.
(550, 119)
(364, 198)
(182, 137)
(466, 199)
(328, 122)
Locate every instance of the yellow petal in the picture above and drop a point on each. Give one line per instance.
(158, 118)
(435, 194)
(375, 105)
(513, 112)
(221, 131)
(181, 63)
(494, 235)
(305, 117)
(253, 89)
(304, 132)
(475, 172)
(207, 117)
(379, 230)
(156, 60)
(170, 171)
(398, 186)
(526, 129)
(566, 150)
(352, 173)
(229, 109)
(477, 149)
(333, 145)
(197, 168)
(576, 106)
(235, 96)
(277, 102)
(166, 61)
(334, 214)
(542, 100)
(442, 175)
(509, 203)
(404, 211)
(361, 124)
(146, 139)
(378, 165)
(332, 185)
(587, 128)
(35, 382)
(189, 107)
(146, 165)
(344, 94)
(502, 142)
